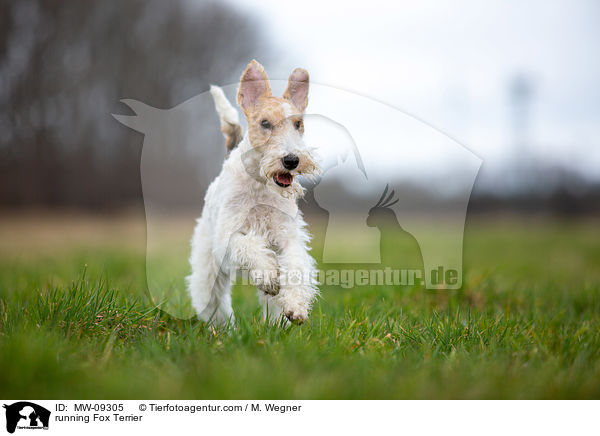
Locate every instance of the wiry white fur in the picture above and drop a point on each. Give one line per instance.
(250, 223)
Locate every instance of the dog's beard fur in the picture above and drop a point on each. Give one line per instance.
(263, 164)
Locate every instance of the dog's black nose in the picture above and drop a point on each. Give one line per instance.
(290, 161)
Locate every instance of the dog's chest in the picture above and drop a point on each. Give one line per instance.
(266, 219)
(271, 218)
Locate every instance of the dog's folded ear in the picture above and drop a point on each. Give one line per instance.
(297, 90)
(254, 85)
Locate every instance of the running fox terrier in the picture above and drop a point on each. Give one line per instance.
(251, 221)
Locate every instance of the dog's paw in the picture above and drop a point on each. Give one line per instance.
(296, 316)
(266, 281)
(270, 287)
(267, 278)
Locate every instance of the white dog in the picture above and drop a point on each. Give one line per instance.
(251, 220)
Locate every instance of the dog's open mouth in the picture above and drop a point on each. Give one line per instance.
(283, 179)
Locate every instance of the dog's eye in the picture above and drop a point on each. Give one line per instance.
(298, 124)
(265, 124)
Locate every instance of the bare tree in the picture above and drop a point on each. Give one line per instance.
(65, 65)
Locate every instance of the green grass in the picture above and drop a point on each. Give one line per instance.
(526, 324)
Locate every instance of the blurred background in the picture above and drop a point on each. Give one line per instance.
(515, 83)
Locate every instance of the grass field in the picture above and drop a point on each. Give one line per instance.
(75, 322)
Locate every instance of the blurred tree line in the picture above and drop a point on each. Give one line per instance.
(64, 66)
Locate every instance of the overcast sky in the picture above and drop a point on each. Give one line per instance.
(451, 64)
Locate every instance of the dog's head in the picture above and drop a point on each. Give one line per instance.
(275, 128)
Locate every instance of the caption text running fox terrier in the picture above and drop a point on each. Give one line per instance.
(251, 220)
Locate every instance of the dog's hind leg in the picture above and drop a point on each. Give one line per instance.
(208, 285)
(272, 312)
(219, 310)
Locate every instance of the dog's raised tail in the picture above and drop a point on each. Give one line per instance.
(230, 121)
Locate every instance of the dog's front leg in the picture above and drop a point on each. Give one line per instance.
(250, 252)
(298, 280)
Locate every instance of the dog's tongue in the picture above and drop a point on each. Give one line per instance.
(285, 179)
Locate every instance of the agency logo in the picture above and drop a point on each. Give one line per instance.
(26, 415)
